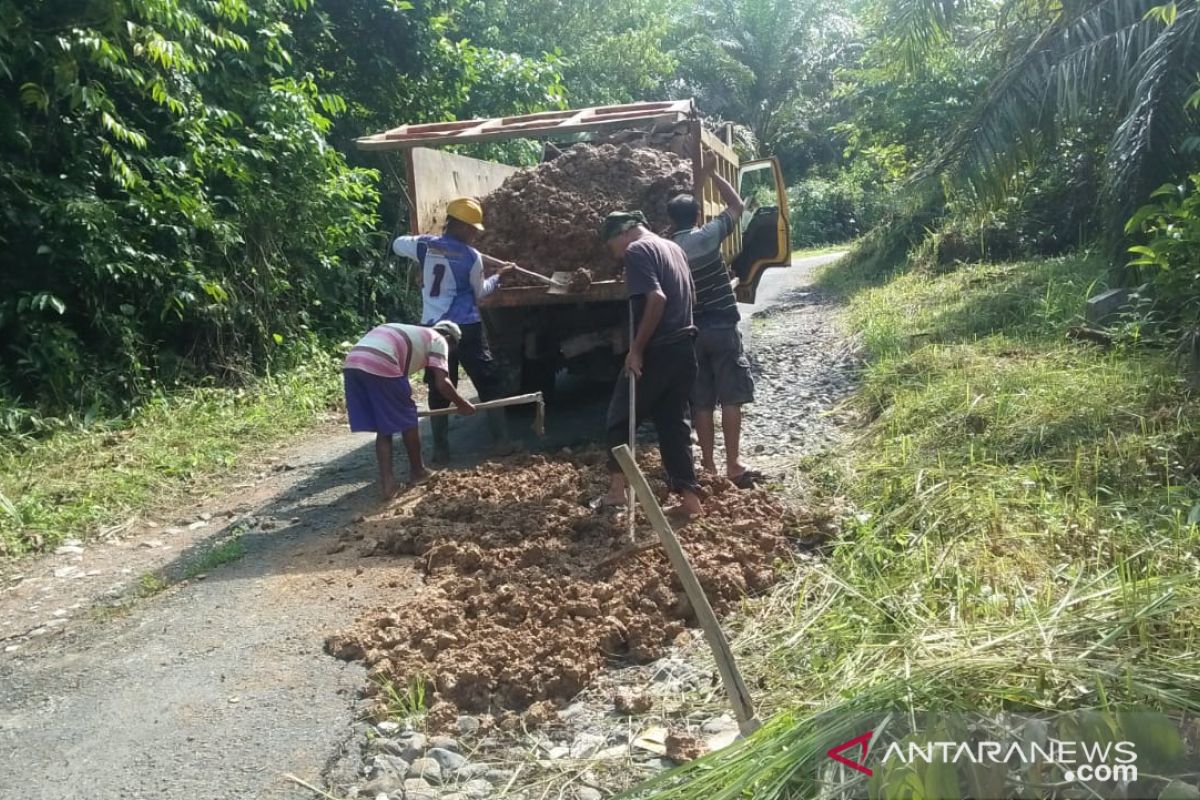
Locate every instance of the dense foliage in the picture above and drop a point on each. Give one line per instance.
(172, 207)
(1170, 256)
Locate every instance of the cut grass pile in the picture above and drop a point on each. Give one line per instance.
(1019, 537)
(75, 483)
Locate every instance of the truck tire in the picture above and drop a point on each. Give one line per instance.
(508, 369)
(540, 375)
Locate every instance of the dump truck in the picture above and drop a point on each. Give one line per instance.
(533, 333)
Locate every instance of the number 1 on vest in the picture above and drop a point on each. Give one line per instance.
(439, 272)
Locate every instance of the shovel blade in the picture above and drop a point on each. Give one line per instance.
(559, 285)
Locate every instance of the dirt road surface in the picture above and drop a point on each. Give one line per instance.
(216, 686)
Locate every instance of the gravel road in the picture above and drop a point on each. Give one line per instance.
(218, 687)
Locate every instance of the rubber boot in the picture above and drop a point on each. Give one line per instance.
(441, 440)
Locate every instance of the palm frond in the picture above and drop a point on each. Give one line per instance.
(1154, 125)
(1005, 127)
(1099, 53)
(918, 26)
(1112, 55)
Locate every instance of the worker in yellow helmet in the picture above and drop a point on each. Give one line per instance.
(452, 284)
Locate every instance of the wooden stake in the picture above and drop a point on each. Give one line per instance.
(731, 678)
(631, 498)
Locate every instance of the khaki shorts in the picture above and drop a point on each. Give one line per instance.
(724, 371)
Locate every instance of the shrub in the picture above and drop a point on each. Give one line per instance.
(1170, 256)
(826, 210)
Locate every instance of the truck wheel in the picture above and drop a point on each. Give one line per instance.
(508, 364)
(539, 375)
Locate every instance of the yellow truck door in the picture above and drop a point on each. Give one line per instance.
(766, 234)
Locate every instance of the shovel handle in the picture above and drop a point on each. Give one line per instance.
(537, 276)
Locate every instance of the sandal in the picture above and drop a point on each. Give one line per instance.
(602, 505)
(748, 479)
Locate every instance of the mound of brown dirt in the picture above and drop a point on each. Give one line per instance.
(525, 602)
(547, 218)
(581, 279)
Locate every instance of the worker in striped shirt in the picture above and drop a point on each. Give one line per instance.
(723, 377)
(379, 396)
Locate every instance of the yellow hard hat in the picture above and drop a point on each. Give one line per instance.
(468, 210)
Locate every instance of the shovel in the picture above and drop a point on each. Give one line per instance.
(557, 283)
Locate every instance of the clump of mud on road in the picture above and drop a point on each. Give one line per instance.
(547, 218)
(525, 604)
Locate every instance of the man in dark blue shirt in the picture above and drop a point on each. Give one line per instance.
(661, 356)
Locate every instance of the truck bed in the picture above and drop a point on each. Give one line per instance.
(515, 296)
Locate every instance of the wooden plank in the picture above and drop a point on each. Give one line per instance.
(508, 127)
(539, 115)
(543, 130)
(438, 177)
(719, 147)
(414, 192)
(645, 109)
(731, 678)
(709, 198)
(576, 119)
(648, 107)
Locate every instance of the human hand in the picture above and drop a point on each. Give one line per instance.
(466, 409)
(633, 363)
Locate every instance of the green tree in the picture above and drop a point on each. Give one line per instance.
(396, 63)
(766, 64)
(1126, 66)
(169, 195)
(169, 208)
(608, 52)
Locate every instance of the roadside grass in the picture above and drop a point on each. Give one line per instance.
(151, 584)
(228, 551)
(1019, 535)
(406, 703)
(821, 250)
(78, 483)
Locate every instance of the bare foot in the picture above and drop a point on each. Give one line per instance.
(388, 491)
(681, 517)
(710, 467)
(420, 476)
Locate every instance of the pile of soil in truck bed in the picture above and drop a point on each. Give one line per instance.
(520, 607)
(547, 218)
